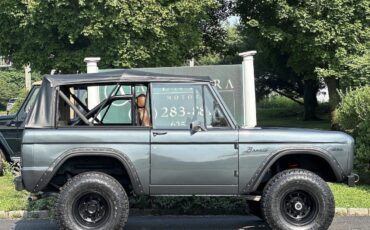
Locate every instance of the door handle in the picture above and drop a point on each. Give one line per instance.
(159, 133)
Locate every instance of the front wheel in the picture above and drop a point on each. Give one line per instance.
(297, 199)
(92, 200)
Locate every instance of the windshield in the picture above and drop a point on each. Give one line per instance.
(32, 99)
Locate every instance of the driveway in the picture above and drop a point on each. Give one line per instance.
(190, 222)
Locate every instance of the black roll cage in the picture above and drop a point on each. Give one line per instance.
(93, 113)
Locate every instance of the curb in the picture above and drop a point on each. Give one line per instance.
(45, 214)
(21, 214)
(352, 211)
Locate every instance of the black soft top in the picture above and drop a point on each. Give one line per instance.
(43, 112)
(122, 75)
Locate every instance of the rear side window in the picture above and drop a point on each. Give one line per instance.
(116, 104)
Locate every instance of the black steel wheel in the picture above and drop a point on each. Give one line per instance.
(92, 200)
(299, 207)
(91, 209)
(297, 199)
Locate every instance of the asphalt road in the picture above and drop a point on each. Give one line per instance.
(190, 222)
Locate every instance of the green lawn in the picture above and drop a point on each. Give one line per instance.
(9, 198)
(293, 122)
(351, 197)
(281, 117)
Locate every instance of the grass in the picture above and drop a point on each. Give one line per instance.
(10, 199)
(351, 197)
(290, 121)
(278, 111)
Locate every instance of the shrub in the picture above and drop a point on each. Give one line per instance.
(18, 103)
(277, 101)
(7, 168)
(11, 84)
(353, 115)
(11, 81)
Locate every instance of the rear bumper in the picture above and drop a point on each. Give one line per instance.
(18, 183)
(352, 179)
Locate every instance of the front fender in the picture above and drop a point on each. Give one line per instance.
(262, 169)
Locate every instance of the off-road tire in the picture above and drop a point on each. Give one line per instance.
(71, 201)
(255, 208)
(293, 191)
(2, 158)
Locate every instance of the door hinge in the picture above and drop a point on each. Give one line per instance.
(236, 146)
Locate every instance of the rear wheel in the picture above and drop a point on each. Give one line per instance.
(297, 199)
(92, 200)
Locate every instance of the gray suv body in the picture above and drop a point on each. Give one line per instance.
(191, 145)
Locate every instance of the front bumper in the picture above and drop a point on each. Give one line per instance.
(19, 183)
(352, 179)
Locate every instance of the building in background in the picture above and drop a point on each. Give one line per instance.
(5, 62)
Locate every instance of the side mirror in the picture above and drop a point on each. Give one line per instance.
(196, 126)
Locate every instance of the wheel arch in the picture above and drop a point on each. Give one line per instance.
(273, 158)
(86, 152)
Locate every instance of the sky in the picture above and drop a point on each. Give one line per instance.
(233, 20)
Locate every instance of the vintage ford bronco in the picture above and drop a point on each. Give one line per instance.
(160, 134)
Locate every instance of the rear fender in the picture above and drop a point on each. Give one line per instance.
(108, 152)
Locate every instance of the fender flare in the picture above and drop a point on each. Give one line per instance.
(4, 146)
(255, 181)
(107, 152)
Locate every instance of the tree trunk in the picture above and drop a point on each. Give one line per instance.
(334, 99)
(310, 101)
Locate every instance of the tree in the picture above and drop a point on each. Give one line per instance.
(11, 85)
(58, 34)
(328, 39)
(271, 71)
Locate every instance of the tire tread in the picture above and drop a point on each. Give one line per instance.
(64, 223)
(295, 174)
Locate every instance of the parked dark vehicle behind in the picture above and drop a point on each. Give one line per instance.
(10, 104)
(12, 127)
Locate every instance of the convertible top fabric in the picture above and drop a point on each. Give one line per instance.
(123, 75)
(43, 113)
